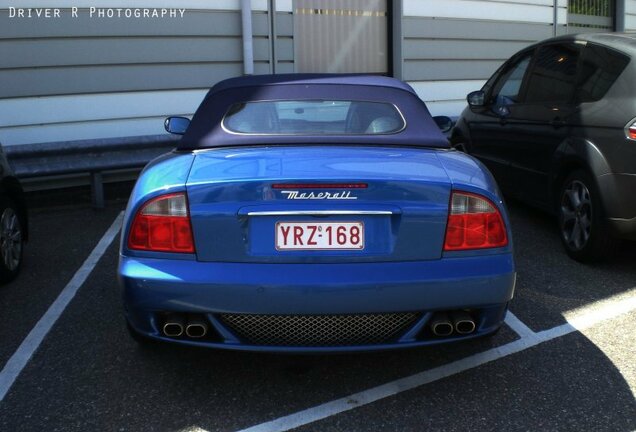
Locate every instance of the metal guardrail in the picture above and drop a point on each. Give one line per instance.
(89, 156)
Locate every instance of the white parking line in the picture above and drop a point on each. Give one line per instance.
(21, 357)
(578, 320)
(519, 327)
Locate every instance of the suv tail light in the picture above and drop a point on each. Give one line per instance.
(473, 223)
(163, 225)
(630, 130)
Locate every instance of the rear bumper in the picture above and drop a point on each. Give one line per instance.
(616, 193)
(623, 228)
(152, 286)
(620, 209)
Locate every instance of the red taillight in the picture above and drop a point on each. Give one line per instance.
(163, 225)
(319, 186)
(473, 223)
(631, 131)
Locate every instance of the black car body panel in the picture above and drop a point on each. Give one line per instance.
(556, 107)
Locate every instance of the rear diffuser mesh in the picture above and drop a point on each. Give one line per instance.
(319, 330)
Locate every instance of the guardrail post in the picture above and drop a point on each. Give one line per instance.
(97, 189)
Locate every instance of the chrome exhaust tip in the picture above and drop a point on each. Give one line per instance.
(441, 325)
(463, 322)
(173, 327)
(196, 328)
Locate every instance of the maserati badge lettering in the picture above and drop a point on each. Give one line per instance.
(297, 195)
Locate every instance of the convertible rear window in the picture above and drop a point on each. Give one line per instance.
(313, 117)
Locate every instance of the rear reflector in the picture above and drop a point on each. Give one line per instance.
(319, 186)
(162, 225)
(473, 223)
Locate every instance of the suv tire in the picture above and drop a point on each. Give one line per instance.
(581, 221)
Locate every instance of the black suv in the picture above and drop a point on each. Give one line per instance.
(556, 125)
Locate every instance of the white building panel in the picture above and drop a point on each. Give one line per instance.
(480, 10)
(477, 35)
(97, 107)
(630, 14)
(447, 108)
(258, 5)
(68, 118)
(284, 6)
(82, 131)
(430, 91)
(446, 97)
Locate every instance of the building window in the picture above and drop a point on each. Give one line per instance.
(341, 36)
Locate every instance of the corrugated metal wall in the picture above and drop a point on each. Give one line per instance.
(81, 78)
(84, 78)
(630, 15)
(451, 47)
(341, 36)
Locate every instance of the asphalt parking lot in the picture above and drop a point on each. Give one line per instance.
(564, 362)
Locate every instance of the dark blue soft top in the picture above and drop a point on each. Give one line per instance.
(206, 129)
(311, 79)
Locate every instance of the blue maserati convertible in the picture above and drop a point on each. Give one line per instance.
(314, 213)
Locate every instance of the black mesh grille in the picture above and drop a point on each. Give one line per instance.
(319, 330)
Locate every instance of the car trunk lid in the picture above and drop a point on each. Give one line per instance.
(318, 204)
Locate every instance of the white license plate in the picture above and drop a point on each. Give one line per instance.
(319, 235)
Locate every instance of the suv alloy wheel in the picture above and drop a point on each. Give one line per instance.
(583, 232)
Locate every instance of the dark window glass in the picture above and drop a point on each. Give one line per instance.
(599, 68)
(508, 87)
(553, 75)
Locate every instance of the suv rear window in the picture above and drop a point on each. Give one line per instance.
(553, 75)
(313, 117)
(599, 68)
